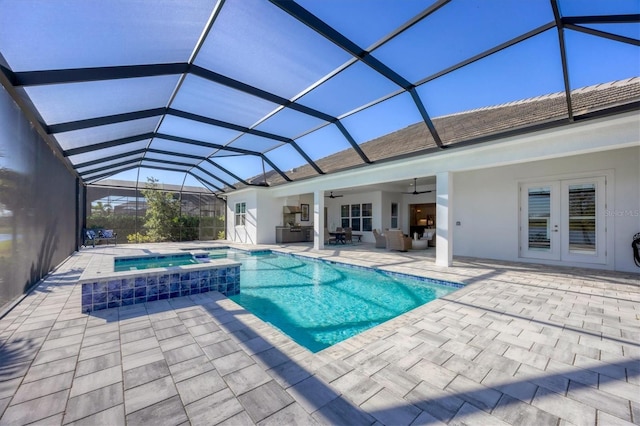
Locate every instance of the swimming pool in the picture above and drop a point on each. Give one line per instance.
(319, 304)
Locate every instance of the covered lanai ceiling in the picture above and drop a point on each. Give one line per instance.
(256, 92)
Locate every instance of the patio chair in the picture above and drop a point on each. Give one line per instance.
(429, 235)
(381, 240)
(348, 235)
(397, 241)
(328, 239)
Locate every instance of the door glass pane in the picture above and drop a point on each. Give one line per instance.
(539, 211)
(582, 218)
(394, 215)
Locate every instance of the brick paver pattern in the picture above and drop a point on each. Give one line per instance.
(521, 344)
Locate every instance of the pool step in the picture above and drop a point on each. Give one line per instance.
(201, 256)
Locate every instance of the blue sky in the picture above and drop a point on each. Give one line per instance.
(529, 69)
(243, 45)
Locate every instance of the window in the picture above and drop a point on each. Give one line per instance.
(344, 216)
(367, 217)
(241, 213)
(359, 217)
(355, 217)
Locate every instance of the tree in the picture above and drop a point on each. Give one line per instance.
(100, 209)
(162, 212)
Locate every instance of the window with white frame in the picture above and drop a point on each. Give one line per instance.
(359, 217)
(241, 213)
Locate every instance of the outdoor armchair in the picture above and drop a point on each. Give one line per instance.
(397, 241)
(348, 235)
(381, 241)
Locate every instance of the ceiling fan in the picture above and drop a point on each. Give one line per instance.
(333, 196)
(414, 189)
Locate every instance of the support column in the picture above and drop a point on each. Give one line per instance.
(444, 219)
(318, 220)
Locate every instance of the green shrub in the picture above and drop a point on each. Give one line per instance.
(186, 228)
(138, 238)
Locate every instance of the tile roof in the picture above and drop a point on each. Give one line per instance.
(469, 125)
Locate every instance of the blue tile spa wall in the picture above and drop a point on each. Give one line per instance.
(114, 292)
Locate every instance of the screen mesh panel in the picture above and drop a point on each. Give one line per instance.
(351, 83)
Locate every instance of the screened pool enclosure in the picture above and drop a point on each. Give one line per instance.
(219, 95)
(255, 92)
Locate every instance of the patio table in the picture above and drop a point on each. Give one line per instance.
(339, 236)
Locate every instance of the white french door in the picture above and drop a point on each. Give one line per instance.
(564, 220)
(540, 220)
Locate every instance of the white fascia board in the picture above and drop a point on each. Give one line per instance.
(580, 138)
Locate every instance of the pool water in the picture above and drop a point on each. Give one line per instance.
(320, 304)
(153, 262)
(221, 253)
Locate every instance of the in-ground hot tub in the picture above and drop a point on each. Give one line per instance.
(148, 262)
(105, 287)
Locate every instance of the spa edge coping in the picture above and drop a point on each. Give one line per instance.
(164, 253)
(94, 272)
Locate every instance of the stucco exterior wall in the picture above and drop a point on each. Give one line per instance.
(487, 204)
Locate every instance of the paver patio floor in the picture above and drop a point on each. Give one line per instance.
(521, 344)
